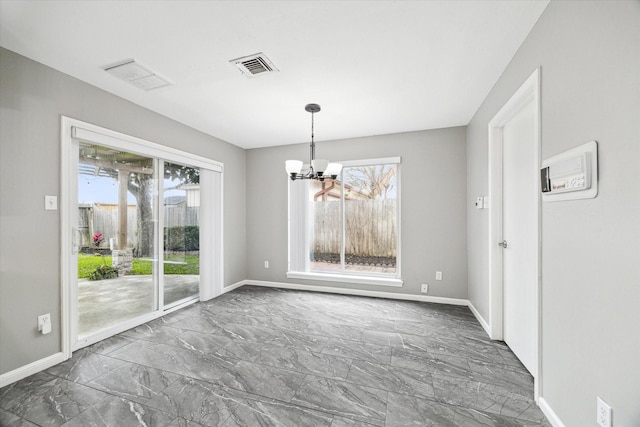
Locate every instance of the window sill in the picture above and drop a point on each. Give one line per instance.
(346, 278)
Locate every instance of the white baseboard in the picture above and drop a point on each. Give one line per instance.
(347, 291)
(548, 412)
(233, 286)
(483, 322)
(30, 369)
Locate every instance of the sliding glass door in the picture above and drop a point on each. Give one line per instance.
(135, 214)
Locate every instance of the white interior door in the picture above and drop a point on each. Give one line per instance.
(520, 231)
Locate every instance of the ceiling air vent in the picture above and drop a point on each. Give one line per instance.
(138, 75)
(254, 65)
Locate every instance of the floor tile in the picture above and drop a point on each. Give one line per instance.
(389, 378)
(308, 326)
(262, 380)
(182, 422)
(508, 375)
(358, 350)
(253, 333)
(424, 361)
(323, 365)
(490, 398)
(351, 318)
(277, 414)
(115, 411)
(155, 333)
(405, 411)
(200, 341)
(7, 419)
(468, 350)
(110, 344)
(57, 402)
(197, 401)
(343, 398)
(14, 395)
(199, 324)
(84, 366)
(177, 360)
(349, 422)
(134, 382)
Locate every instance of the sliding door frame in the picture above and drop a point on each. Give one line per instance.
(211, 270)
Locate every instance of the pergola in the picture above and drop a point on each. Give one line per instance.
(102, 161)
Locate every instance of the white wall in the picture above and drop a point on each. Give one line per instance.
(433, 201)
(589, 53)
(33, 97)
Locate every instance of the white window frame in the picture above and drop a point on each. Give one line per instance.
(299, 231)
(211, 269)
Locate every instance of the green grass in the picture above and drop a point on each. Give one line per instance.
(88, 263)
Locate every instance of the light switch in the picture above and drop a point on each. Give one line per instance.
(51, 203)
(479, 202)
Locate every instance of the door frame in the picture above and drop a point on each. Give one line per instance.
(527, 93)
(212, 172)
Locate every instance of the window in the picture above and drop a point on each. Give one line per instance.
(347, 229)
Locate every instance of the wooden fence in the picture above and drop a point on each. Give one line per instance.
(370, 227)
(103, 218)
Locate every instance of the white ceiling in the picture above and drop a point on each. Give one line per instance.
(375, 67)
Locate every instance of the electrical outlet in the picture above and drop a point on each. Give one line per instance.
(438, 275)
(44, 323)
(425, 288)
(604, 413)
(266, 264)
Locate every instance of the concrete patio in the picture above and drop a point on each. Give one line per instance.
(103, 303)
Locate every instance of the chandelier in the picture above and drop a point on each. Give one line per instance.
(319, 169)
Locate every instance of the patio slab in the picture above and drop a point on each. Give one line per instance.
(102, 303)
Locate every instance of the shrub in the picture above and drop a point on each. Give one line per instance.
(185, 238)
(104, 272)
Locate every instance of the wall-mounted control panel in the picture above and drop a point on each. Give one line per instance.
(571, 175)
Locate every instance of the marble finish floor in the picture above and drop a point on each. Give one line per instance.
(270, 357)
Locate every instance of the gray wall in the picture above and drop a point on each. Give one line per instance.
(33, 97)
(433, 201)
(590, 60)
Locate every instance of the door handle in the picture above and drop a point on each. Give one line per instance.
(503, 244)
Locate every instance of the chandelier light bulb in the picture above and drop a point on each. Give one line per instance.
(293, 167)
(319, 165)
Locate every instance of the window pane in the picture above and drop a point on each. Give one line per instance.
(326, 232)
(116, 219)
(370, 194)
(181, 265)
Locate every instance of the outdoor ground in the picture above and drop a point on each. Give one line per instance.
(103, 303)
